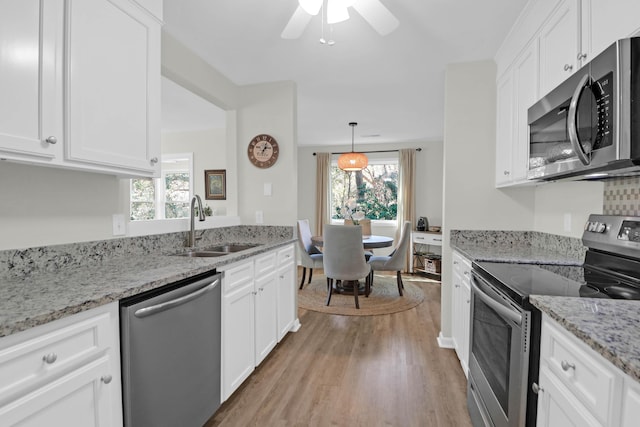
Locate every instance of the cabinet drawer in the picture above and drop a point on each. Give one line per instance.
(592, 382)
(427, 239)
(266, 263)
(39, 358)
(237, 275)
(286, 255)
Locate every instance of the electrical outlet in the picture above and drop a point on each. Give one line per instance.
(267, 189)
(119, 225)
(259, 217)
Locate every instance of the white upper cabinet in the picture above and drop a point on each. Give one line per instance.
(83, 85)
(604, 22)
(31, 79)
(559, 45)
(505, 132)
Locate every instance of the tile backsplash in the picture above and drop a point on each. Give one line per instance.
(622, 196)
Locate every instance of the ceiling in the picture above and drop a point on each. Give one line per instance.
(393, 86)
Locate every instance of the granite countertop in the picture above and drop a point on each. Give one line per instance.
(29, 300)
(610, 327)
(521, 254)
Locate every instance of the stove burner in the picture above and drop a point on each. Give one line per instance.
(590, 291)
(623, 292)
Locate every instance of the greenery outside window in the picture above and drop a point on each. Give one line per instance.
(372, 191)
(167, 197)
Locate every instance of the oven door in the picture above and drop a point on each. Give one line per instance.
(499, 357)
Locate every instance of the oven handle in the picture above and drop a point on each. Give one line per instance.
(501, 309)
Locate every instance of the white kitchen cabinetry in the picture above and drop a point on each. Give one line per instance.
(580, 387)
(287, 293)
(106, 56)
(517, 91)
(461, 307)
(604, 22)
(64, 373)
(559, 45)
(258, 309)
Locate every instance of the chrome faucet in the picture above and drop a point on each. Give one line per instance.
(192, 231)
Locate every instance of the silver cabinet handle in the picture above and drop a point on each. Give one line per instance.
(568, 67)
(153, 160)
(106, 378)
(50, 358)
(466, 273)
(457, 286)
(51, 140)
(581, 56)
(536, 388)
(566, 365)
(455, 262)
(254, 293)
(507, 172)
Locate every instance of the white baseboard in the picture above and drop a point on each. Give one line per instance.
(445, 342)
(296, 325)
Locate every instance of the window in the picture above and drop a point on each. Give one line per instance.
(166, 197)
(372, 191)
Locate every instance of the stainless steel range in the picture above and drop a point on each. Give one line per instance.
(505, 327)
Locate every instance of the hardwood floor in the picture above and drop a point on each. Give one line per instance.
(356, 371)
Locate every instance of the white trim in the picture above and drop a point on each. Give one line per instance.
(445, 342)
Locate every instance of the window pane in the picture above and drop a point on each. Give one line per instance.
(373, 191)
(176, 195)
(143, 190)
(142, 211)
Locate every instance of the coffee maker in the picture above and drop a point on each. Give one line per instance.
(423, 224)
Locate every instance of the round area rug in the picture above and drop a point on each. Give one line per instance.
(383, 299)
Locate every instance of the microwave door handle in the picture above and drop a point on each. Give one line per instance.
(572, 119)
(499, 308)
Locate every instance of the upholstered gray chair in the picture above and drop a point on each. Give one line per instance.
(310, 256)
(344, 258)
(397, 260)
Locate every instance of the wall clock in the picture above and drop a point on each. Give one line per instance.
(263, 151)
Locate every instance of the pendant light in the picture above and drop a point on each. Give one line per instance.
(352, 161)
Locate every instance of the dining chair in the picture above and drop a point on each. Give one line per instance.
(310, 256)
(344, 258)
(396, 261)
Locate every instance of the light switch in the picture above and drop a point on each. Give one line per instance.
(119, 225)
(267, 189)
(259, 218)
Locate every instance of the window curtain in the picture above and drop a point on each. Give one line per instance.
(406, 193)
(323, 164)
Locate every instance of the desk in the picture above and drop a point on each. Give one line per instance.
(369, 242)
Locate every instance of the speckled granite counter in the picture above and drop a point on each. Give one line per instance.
(610, 327)
(39, 285)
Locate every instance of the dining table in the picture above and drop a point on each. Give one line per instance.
(368, 242)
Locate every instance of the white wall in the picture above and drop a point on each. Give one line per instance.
(428, 178)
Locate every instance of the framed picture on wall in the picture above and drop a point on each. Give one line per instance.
(215, 184)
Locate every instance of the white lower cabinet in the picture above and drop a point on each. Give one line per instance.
(461, 308)
(258, 304)
(64, 373)
(579, 387)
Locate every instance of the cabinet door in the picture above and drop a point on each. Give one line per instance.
(505, 134)
(266, 294)
(525, 75)
(31, 79)
(286, 298)
(559, 45)
(465, 318)
(557, 407)
(631, 403)
(604, 22)
(112, 104)
(238, 332)
(81, 398)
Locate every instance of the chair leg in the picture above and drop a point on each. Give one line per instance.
(329, 289)
(367, 285)
(400, 284)
(310, 274)
(355, 294)
(304, 273)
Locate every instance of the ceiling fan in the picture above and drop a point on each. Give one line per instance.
(374, 12)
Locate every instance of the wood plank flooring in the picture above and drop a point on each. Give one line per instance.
(356, 371)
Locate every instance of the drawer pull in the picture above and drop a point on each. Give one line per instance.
(50, 358)
(536, 388)
(566, 365)
(106, 378)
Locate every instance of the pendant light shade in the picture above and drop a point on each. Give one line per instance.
(352, 161)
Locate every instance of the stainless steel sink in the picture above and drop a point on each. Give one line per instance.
(230, 248)
(201, 254)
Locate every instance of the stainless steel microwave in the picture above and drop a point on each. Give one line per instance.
(589, 126)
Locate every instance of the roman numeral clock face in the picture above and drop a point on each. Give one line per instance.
(263, 151)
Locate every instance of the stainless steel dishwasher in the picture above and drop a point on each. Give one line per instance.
(170, 340)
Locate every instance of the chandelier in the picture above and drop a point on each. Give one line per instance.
(352, 161)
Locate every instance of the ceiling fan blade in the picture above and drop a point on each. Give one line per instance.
(296, 24)
(377, 15)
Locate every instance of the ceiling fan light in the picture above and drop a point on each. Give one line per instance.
(312, 7)
(336, 12)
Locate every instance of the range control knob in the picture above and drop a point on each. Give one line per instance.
(601, 227)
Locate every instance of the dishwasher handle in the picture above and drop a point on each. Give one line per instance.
(148, 311)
